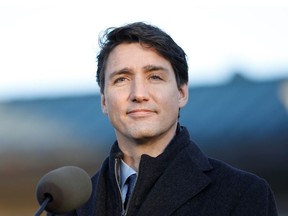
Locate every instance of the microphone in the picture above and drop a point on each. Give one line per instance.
(63, 190)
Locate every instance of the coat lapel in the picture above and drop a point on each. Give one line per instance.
(183, 180)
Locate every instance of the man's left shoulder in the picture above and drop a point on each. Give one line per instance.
(246, 192)
(229, 175)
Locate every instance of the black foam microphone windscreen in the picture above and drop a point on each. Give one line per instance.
(68, 187)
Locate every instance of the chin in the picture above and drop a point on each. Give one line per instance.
(143, 134)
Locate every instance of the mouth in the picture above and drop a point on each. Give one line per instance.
(140, 112)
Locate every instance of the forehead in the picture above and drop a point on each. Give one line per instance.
(134, 55)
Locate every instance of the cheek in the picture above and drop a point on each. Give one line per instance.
(113, 103)
(169, 100)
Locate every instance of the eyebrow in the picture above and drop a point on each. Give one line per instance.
(147, 69)
(150, 68)
(125, 70)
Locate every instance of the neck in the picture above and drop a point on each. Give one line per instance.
(134, 149)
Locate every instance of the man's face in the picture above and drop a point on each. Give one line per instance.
(141, 97)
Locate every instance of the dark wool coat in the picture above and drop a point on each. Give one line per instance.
(181, 181)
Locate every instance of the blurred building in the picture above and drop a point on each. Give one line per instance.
(242, 122)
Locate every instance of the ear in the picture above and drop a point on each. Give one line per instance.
(183, 95)
(103, 104)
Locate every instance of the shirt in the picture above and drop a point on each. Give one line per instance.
(125, 172)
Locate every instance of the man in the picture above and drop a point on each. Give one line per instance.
(143, 79)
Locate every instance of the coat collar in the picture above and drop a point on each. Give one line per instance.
(183, 180)
(169, 180)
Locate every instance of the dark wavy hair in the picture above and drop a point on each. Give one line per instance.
(149, 36)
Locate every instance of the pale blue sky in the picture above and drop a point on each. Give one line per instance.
(49, 47)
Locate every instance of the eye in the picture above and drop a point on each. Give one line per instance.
(120, 80)
(155, 77)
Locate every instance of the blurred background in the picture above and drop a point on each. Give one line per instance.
(50, 113)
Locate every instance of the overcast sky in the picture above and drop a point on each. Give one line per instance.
(50, 47)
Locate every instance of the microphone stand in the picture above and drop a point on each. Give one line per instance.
(43, 206)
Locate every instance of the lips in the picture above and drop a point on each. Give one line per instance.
(140, 112)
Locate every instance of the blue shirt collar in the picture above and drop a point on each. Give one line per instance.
(125, 172)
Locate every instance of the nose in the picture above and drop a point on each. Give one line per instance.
(139, 90)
